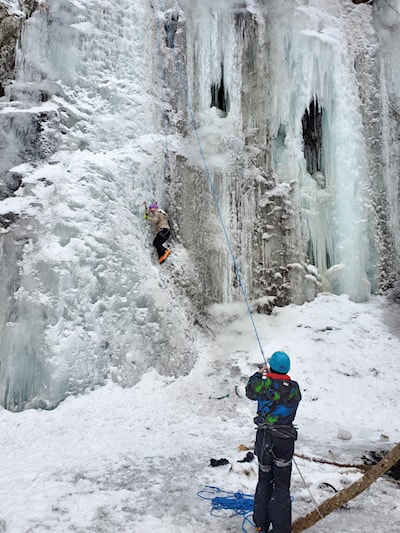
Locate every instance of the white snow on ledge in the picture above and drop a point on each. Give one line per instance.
(323, 36)
(14, 205)
(13, 7)
(45, 107)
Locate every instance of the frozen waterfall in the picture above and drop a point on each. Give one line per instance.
(291, 108)
(82, 301)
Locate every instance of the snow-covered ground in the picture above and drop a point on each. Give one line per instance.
(133, 460)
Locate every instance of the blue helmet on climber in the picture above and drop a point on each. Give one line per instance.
(279, 362)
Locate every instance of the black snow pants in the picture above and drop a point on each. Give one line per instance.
(272, 503)
(159, 240)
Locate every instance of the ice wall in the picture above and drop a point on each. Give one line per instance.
(82, 301)
(386, 186)
(280, 120)
(223, 50)
(317, 55)
(295, 137)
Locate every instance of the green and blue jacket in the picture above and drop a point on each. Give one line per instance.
(277, 398)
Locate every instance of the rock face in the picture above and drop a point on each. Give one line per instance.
(10, 26)
(11, 21)
(23, 130)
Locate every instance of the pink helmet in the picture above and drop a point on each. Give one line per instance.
(153, 205)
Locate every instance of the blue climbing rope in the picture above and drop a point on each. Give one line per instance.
(221, 500)
(164, 117)
(390, 5)
(212, 189)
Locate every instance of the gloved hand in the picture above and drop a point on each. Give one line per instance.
(146, 216)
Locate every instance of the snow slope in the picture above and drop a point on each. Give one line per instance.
(133, 460)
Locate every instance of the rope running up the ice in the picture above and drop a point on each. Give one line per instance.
(394, 9)
(239, 502)
(236, 503)
(212, 189)
(164, 116)
(309, 491)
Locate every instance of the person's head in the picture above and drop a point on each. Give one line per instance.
(279, 362)
(153, 206)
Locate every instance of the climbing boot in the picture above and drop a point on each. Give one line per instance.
(164, 256)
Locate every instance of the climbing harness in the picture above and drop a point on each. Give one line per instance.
(212, 189)
(237, 502)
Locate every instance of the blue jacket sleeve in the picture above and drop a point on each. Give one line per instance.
(251, 385)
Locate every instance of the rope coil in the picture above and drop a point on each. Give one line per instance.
(240, 503)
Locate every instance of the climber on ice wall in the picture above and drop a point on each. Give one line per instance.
(160, 219)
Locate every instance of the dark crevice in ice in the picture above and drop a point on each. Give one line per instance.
(219, 96)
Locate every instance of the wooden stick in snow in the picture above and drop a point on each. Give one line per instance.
(347, 494)
(334, 463)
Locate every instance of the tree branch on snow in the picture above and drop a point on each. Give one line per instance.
(347, 494)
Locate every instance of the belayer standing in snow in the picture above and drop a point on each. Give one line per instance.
(160, 219)
(278, 398)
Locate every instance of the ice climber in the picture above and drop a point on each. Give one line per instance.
(277, 399)
(160, 219)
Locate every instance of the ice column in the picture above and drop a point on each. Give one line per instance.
(325, 139)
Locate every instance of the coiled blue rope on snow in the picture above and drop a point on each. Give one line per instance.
(238, 502)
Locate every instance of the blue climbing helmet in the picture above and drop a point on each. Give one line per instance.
(279, 362)
(153, 205)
